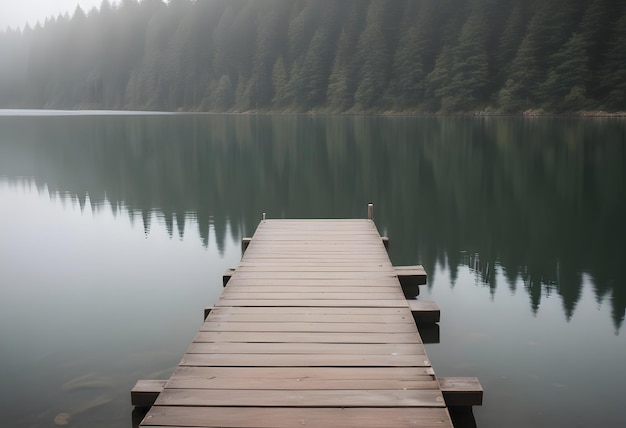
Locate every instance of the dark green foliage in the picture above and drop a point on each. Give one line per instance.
(565, 85)
(406, 87)
(322, 55)
(613, 73)
(343, 79)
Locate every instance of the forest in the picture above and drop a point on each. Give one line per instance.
(323, 56)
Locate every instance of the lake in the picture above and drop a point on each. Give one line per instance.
(115, 230)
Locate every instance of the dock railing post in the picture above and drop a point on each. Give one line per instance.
(370, 212)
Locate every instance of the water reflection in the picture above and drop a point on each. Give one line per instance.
(541, 200)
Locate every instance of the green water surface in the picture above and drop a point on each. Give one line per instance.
(115, 231)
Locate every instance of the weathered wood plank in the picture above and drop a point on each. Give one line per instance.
(262, 384)
(281, 417)
(235, 294)
(301, 398)
(385, 264)
(424, 311)
(303, 360)
(145, 392)
(399, 303)
(318, 373)
(296, 282)
(461, 391)
(321, 267)
(288, 256)
(340, 310)
(299, 337)
(415, 271)
(312, 275)
(318, 318)
(310, 327)
(238, 288)
(307, 348)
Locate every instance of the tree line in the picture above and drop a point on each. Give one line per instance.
(326, 56)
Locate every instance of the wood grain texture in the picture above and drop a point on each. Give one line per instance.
(307, 348)
(315, 303)
(301, 398)
(298, 337)
(303, 360)
(280, 417)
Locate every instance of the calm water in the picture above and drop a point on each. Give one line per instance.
(115, 230)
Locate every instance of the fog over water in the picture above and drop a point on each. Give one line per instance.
(116, 229)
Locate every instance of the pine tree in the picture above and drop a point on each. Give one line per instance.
(469, 75)
(406, 88)
(614, 74)
(511, 38)
(342, 81)
(373, 58)
(224, 96)
(438, 78)
(280, 80)
(565, 86)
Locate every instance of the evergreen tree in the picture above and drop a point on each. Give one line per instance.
(224, 96)
(510, 39)
(406, 88)
(613, 75)
(548, 30)
(280, 82)
(566, 83)
(342, 81)
(319, 58)
(374, 56)
(469, 75)
(357, 55)
(438, 78)
(271, 34)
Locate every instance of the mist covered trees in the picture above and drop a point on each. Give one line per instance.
(322, 56)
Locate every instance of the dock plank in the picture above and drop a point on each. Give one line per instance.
(317, 373)
(280, 417)
(341, 310)
(373, 303)
(303, 317)
(431, 397)
(309, 327)
(299, 337)
(302, 360)
(235, 294)
(262, 384)
(306, 348)
(293, 282)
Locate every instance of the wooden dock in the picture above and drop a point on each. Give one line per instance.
(313, 329)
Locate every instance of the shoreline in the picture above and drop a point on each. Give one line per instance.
(135, 111)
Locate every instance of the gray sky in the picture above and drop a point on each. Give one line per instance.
(16, 13)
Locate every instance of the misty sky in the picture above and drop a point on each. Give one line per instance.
(16, 13)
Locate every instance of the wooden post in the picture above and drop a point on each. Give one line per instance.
(244, 244)
(145, 392)
(370, 212)
(227, 275)
(461, 391)
(207, 311)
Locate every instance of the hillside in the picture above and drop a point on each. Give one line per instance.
(327, 56)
